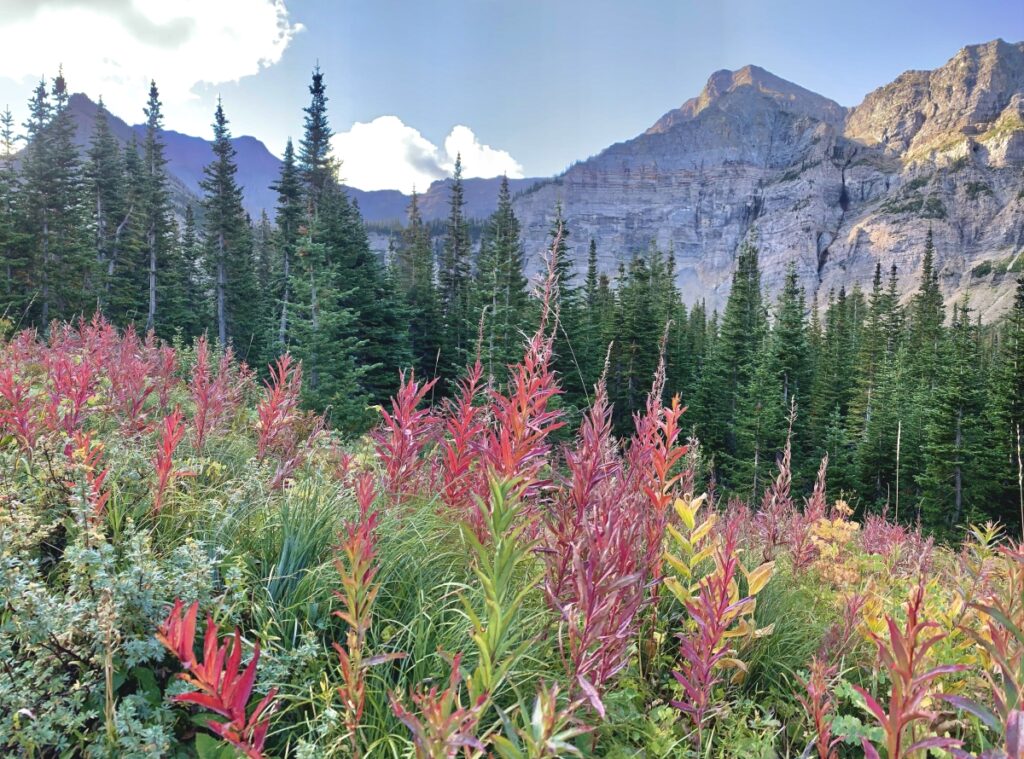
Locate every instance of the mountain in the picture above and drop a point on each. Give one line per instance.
(258, 168)
(833, 190)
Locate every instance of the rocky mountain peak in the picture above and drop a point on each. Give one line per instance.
(752, 87)
(924, 113)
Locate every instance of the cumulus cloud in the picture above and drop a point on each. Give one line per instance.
(114, 47)
(387, 154)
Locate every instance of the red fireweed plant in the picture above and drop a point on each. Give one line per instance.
(277, 410)
(819, 706)
(214, 396)
(357, 568)
(88, 455)
(18, 414)
(777, 505)
(443, 727)
(172, 431)
(221, 685)
(401, 437)
(130, 382)
(902, 654)
(463, 431)
(1002, 639)
(802, 547)
(705, 649)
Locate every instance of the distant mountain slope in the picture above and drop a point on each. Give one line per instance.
(832, 190)
(258, 168)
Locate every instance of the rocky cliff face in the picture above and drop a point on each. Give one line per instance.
(831, 189)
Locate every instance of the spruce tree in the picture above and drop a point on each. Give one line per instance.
(156, 212)
(731, 362)
(1006, 414)
(454, 282)
(316, 163)
(415, 278)
(13, 260)
(499, 294)
(290, 211)
(229, 245)
(952, 480)
(106, 183)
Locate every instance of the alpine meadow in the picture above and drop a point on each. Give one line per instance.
(709, 446)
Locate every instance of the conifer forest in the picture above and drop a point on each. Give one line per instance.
(268, 491)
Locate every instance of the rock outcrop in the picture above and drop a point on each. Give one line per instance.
(833, 190)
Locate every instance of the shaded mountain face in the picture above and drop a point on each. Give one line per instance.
(830, 189)
(258, 168)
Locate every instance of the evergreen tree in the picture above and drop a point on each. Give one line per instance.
(229, 245)
(156, 212)
(952, 480)
(731, 362)
(500, 295)
(106, 183)
(1006, 413)
(454, 282)
(290, 211)
(415, 277)
(15, 266)
(317, 165)
(793, 370)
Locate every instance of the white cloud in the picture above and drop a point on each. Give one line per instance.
(114, 47)
(387, 154)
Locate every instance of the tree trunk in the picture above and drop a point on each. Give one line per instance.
(222, 281)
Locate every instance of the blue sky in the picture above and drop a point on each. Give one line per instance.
(535, 85)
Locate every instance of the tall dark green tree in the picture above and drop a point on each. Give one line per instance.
(107, 185)
(290, 213)
(500, 293)
(156, 210)
(415, 277)
(953, 482)
(731, 362)
(229, 245)
(316, 163)
(1006, 414)
(454, 281)
(13, 259)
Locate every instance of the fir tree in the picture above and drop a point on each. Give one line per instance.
(415, 277)
(289, 217)
(106, 183)
(454, 281)
(155, 205)
(1006, 413)
(317, 166)
(228, 244)
(15, 265)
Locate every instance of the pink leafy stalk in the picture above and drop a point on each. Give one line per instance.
(903, 656)
(1002, 638)
(222, 686)
(130, 382)
(666, 454)
(905, 551)
(517, 445)
(841, 635)
(357, 567)
(172, 431)
(594, 553)
(461, 477)
(162, 365)
(801, 536)
(279, 407)
(404, 431)
(89, 456)
(71, 384)
(819, 705)
(703, 649)
(214, 396)
(442, 727)
(18, 414)
(776, 506)
(590, 463)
